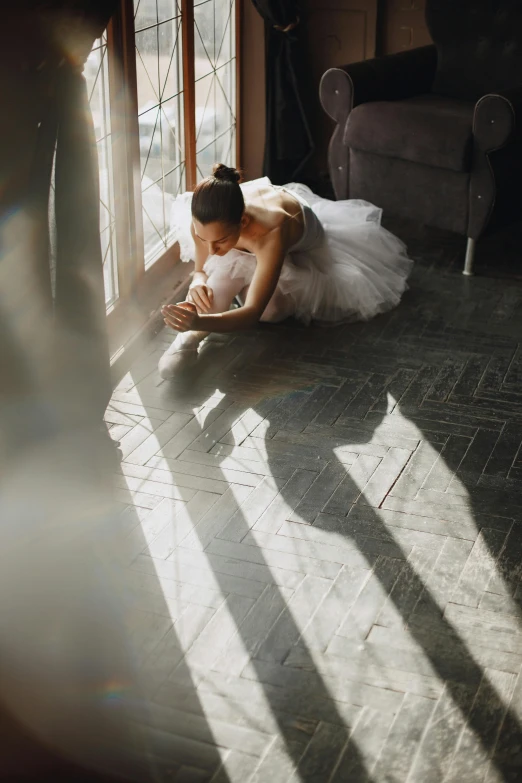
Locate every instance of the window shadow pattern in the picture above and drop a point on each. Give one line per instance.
(384, 439)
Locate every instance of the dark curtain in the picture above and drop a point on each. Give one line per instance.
(289, 144)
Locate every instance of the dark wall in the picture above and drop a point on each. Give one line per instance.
(339, 31)
(402, 25)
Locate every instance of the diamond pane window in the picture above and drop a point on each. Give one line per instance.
(215, 69)
(96, 74)
(158, 37)
(171, 116)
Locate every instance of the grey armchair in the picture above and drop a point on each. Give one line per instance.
(434, 133)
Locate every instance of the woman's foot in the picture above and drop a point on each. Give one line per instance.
(181, 355)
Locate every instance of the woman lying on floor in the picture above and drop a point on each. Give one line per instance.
(282, 251)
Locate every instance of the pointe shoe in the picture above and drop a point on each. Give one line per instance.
(179, 357)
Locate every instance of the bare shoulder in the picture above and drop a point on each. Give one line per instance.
(261, 194)
(277, 219)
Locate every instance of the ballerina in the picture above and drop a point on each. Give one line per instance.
(281, 251)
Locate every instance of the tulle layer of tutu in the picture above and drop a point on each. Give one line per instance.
(358, 270)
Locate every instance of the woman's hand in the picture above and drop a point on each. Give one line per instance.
(183, 317)
(200, 294)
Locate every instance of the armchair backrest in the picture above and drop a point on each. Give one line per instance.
(479, 46)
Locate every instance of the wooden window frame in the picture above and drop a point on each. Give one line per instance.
(141, 290)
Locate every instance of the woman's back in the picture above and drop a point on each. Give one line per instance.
(271, 209)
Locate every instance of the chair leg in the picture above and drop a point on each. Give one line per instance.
(470, 257)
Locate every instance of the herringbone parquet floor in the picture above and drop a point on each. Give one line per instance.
(323, 537)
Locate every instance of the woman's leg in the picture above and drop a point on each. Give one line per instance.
(225, 290)
(185, 346)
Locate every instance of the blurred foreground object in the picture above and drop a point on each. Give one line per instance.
(67, 698)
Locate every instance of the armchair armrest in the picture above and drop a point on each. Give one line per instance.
(393, 77)
(497, 119)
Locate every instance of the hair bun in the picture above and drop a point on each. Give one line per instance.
(226, 173)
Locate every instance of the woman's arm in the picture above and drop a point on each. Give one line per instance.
(268, 268)
(270, 259)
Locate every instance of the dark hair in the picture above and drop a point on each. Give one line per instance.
(218, 198)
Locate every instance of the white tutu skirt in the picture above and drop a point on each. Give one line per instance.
(346, 267)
